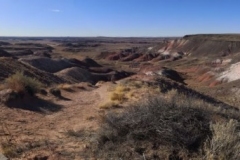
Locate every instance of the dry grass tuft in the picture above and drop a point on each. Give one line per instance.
(130, 95)
(136, 84)
(110, 105)
(117, 96)
(128, 91)
(119, 93)
(122, 88)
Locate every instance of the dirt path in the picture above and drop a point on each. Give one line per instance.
(59, 135)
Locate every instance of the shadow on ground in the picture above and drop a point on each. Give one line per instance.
(64, 98)
(35, 104)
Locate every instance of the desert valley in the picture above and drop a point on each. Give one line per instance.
(170, 98)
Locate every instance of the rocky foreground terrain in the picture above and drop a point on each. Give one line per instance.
(120, 98)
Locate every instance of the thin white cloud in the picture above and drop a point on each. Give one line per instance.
(55, 10)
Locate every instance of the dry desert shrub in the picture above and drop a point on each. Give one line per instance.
(146, 128)
(225, 142)
(20, 83)
(9, 150)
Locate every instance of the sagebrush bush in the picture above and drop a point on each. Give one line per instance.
(225, 143)
(9, 150)
(152, 125)
(23, 84)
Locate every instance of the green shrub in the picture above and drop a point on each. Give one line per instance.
(23, 84)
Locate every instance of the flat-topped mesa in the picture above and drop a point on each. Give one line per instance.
(211, 45)
(219, 37)
(201, 46)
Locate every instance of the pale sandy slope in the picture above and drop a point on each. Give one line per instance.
(231, 74)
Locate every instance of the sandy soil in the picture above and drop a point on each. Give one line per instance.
(59, 135)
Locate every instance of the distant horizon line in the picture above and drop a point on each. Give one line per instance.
(119, 36)
(89, 36)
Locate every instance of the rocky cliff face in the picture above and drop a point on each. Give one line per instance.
(211, 46)
(204, 45)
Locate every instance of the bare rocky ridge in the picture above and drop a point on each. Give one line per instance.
(4, 53)
(9, 66)
(75, 74)
(47, 64)
(66, 70)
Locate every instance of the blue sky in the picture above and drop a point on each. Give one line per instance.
(118, 17)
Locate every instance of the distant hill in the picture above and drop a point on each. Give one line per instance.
(218, 37)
